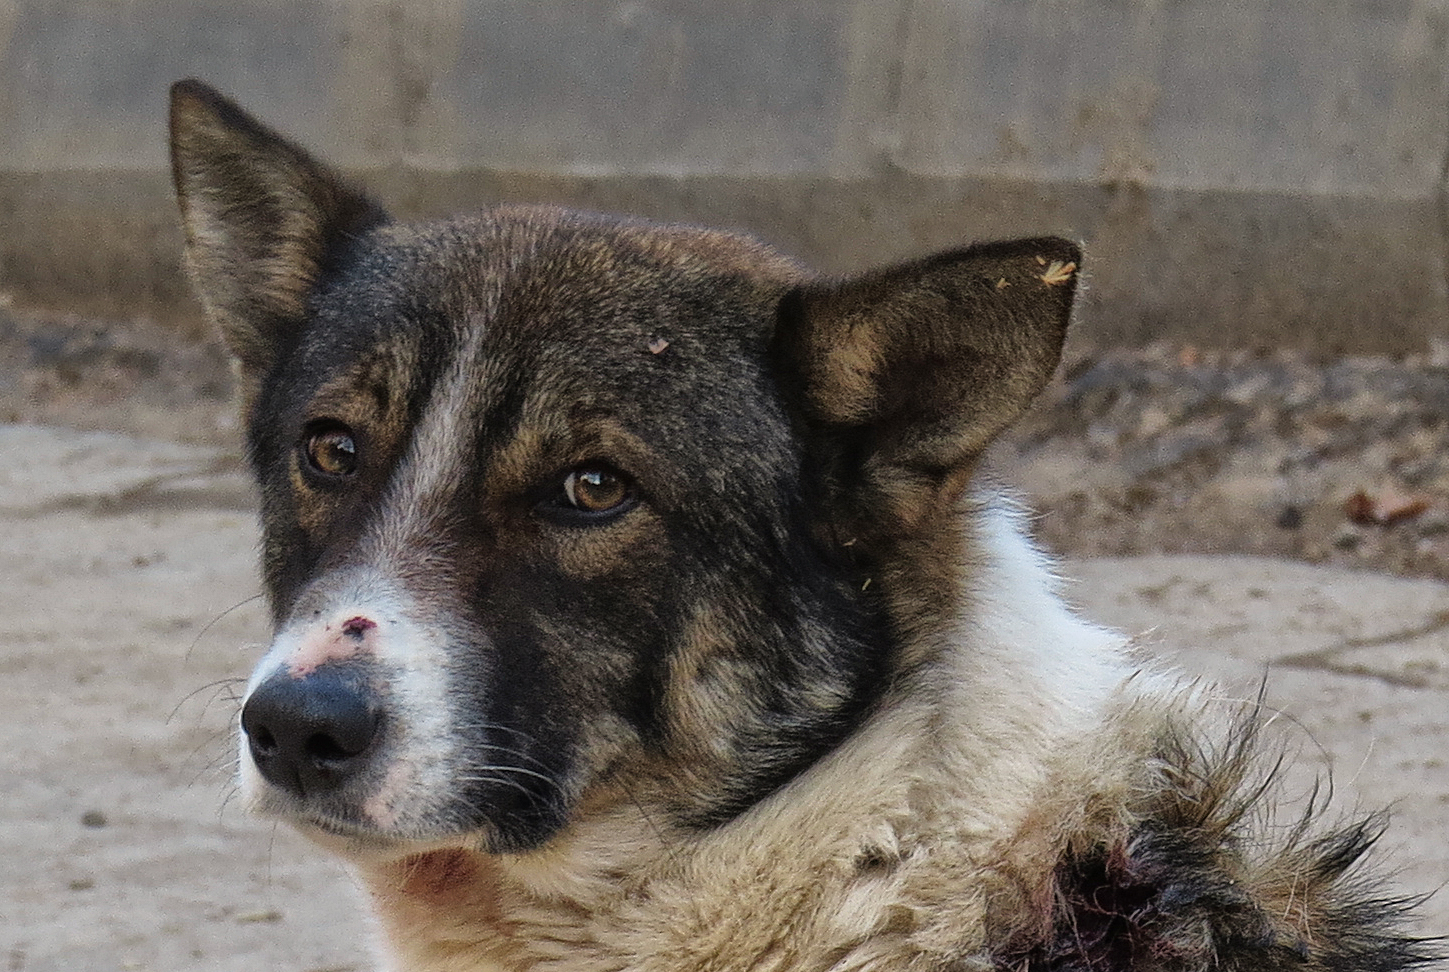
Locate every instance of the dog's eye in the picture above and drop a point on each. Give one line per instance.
(331, 450)
(596, 490)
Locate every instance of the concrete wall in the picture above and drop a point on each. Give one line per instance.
(1242, 171)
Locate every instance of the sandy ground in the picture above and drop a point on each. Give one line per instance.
(130, 616)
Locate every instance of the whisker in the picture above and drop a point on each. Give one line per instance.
(223, 763)
(498, 780)
(493, 727)
(227, 796)
(498, 727)
(506, 751)
(516, 770)
(671, 849)
(214, 622)
(217, 687)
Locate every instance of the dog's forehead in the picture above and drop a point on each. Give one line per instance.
(543, 332)
(536, 288)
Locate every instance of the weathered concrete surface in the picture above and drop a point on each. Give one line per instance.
(1297, 95)
(1218, 268)
(1239, 170)
(130, 616)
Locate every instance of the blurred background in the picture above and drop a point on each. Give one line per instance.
(1241, 171)
(1260, 364)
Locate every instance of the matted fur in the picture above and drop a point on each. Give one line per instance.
(801, 699)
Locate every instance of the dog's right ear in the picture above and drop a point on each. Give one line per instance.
(262, 220)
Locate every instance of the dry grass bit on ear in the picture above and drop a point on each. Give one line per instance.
(1058, 273)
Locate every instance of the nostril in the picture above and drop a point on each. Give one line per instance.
(348, 735)
(327, 749)
(262, 742)
(357, 627)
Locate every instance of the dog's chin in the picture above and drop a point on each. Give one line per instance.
(346, 832)
(368, 844)
(370, 847)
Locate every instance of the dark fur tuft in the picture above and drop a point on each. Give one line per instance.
(1185, 888)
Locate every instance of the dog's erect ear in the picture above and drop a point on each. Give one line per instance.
(905, 375)
(262, 219)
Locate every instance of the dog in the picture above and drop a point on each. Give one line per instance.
(638, 607)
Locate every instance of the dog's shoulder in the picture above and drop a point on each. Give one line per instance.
(1162, 841)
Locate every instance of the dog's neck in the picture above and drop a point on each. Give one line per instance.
(930, 796)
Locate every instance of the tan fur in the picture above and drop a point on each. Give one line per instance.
(889, 856)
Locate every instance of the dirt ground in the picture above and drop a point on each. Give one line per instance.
(127, 543)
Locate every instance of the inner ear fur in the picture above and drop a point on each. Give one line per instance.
(262, 220)
(903, 376)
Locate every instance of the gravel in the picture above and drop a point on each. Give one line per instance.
(1177, 449)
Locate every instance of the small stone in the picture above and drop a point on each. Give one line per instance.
(94, 819)
(1434, 524)
(1290, 518)
(1438, 352)
(1153, 420)
(1347, 539)
(82, 884)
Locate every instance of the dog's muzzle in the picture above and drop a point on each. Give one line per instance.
(345, 725)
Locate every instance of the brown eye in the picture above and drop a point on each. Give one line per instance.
(597, 490)
(332, 451)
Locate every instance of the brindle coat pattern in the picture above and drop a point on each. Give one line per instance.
(795, 553)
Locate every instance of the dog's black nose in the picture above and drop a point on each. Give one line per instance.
(308, 735)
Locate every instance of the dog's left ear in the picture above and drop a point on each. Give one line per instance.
(263, 219)
(904, 376)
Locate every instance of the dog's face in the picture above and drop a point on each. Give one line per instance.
(562, 511)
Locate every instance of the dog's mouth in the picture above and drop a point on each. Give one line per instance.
(349, 834)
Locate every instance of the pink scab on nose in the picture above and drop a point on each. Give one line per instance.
(325, 644)
(358, 626)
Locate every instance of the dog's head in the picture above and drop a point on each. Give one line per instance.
(562, 510)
